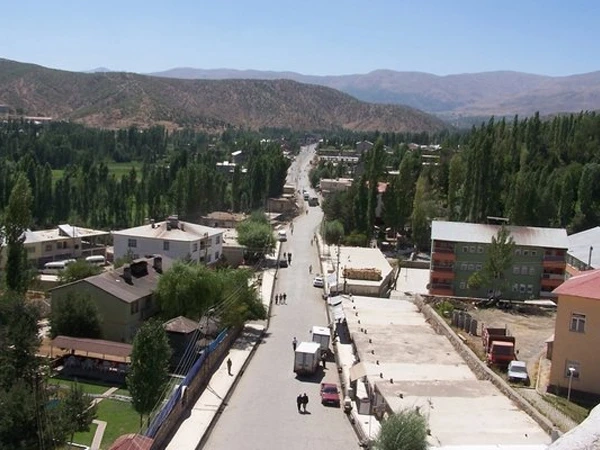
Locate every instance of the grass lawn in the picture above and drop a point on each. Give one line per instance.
(118, 169)
(573, 410)
(121, 419)
(86, 386)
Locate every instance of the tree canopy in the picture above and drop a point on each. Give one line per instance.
(78, 270)
(404, 430)
(75, 316)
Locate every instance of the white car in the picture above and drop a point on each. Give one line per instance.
(517, 371)
(319, 282)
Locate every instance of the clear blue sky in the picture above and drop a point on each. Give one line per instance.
(320, 37)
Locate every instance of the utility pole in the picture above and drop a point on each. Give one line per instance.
(337, 272)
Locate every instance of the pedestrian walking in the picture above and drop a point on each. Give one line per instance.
(294, 343)
(289, 258)
(277, 299)
(284, 255)
(304, 401)
(310, 269)
(284, 299)
(229, 367)
(299, 402)
(324, 360)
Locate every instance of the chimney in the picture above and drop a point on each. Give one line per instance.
(127, 274)
(158, 264)
(172, 222)
(152, 223)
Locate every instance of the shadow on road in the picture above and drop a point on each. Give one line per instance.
(316, 377)
(247, 339)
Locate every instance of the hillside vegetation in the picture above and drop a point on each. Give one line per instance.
(117, 99)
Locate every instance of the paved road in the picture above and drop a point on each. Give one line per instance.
(262, 413)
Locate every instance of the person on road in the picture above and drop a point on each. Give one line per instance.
(299, 402)
(304, 401)
(310, 269)
(277, 299)
(284, 299)
(324, 360)
(229, 367)
(289, 255)
(294, 343)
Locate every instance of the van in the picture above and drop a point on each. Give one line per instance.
(97, 260)
(55, 266)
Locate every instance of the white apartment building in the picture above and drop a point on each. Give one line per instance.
(172, 238)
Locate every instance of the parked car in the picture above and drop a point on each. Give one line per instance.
(282, 235)
(319, 282)
(517, 372)
(330, 394)
(283, 262)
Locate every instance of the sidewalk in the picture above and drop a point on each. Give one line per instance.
(193, 429)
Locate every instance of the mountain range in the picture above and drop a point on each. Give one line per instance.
(501, 93)
(118, 99)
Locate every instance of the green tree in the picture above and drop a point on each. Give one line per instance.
(17, 220)
(256, 235)
(78, 271)
(404, 430)
(148, 374)
(420, 219)
(238, 301)
(77, 411)
(333, 232)
(498, 260)
(75, 316)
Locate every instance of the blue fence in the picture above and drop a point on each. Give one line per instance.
(162, 415)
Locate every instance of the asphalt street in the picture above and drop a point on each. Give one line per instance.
(261, 413)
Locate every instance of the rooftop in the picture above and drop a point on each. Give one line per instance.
(483, 233)
(224, 215)
(181, 324)
(580, 243)
(98, 346)
(184, 231)
(584, 285)
(362, 258)
(61, 232)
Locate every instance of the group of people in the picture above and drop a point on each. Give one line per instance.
(288, 256)
(301, 402)
(281, 299)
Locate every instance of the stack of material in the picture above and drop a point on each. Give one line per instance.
(369, 274)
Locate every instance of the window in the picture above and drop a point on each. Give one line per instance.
(195, 247)
(166, 246)
(472, 249)
(515, 287)
(577, 323)
(525, 252)
(533, 252)
(135, 307)
(478, 266)
(466, 249)
(48, 247)
(518, 251)
(516, 270)
(524, 270)
(532, 270)
(216, 256)
(218, 239)
(572, 367)
(522, 288)
(202, 259)
(462, 285)
(479, 249)
(530, 288)
(30, 249)
(471, 266)
(208, 258)
(132, 243)
(464, 266)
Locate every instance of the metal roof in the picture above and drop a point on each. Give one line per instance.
(98, 346)
(580, 243)
(483, 234)
(585, 285)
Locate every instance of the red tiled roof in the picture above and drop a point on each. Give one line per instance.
(132, 442)
(586, 285)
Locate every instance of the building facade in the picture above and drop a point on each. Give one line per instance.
(458, 250)
(172, 238)
(577, 336)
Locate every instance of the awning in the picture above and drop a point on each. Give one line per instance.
(97, 346)
(357, 371)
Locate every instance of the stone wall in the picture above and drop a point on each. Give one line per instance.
(478, 367)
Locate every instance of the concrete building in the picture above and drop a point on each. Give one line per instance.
(577, 335)
(360, 271)
(222, 219)
(124, 297)
(580, 255)
(60, 243)
(331, 185)
(458, 250)
(172, 238)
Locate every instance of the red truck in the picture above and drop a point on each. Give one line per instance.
(499, 346)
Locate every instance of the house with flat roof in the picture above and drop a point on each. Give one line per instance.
(123, 297)
(581, 255)
(172, 238)
(331, 185)
(577, 336)
(360, 271)
(60, 243)
(222, 219)
(458, 250)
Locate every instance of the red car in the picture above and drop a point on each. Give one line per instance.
(330, 395)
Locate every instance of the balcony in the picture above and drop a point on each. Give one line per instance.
(552, 283)
(554, 262)
(442, 256)
(441, 289)
(442, 272)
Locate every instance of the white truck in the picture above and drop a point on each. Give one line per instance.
(307, 357)
(321, 335)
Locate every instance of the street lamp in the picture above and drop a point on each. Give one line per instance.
(571, 372)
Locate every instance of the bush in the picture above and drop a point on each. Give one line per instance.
(404, 430)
